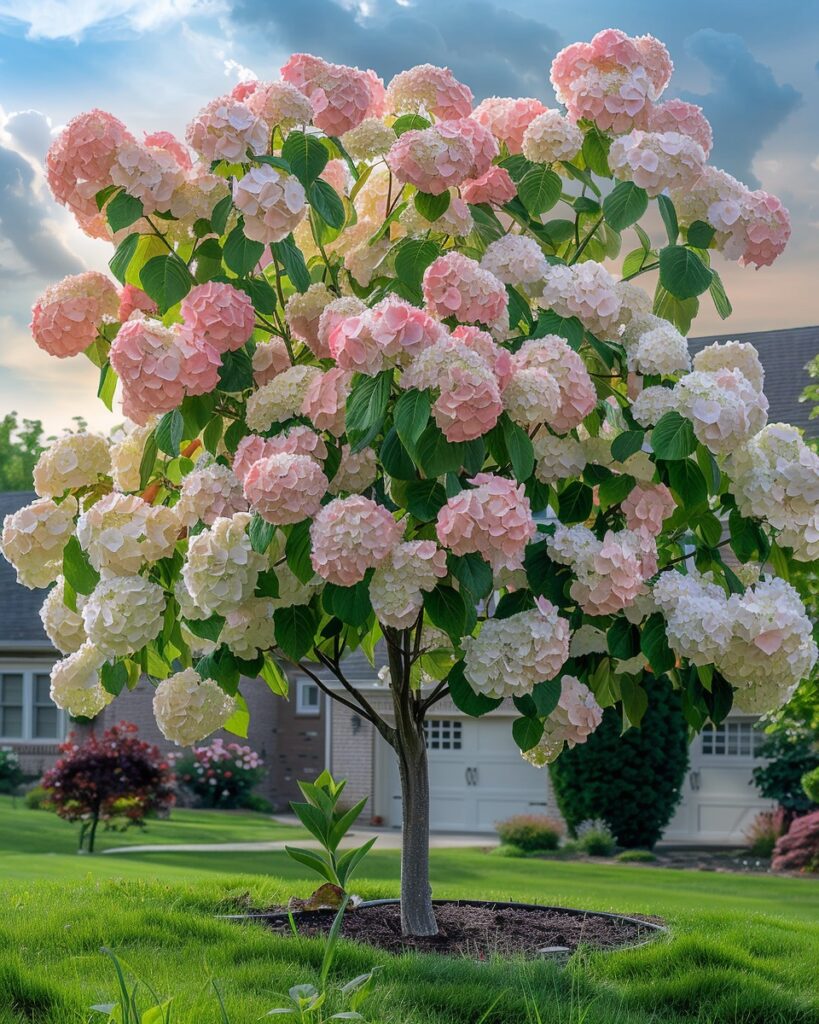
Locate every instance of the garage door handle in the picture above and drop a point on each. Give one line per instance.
(471, 776)
(694, 780)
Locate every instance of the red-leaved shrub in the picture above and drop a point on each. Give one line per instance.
(763, 832)
(799, 849)
(115, 778)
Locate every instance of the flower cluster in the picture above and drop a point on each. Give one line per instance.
(65, 320)
(724, 408)
(492, 518)
(221, 567)
(75, 685)
(455, 285)
(551, 137)
(587, 291)
(657, 161)
(350, 536)
(34, 538)
(508, 118)
(121, 533)
(646, 507)
(71, 461)
(574, 719)
(655, 346)
(123, 613)
(63, 626)
(548, 383)
(271, 201)
(558, 458)
(248, 628)
(220, 774)
(285, 488)
(341, 96)
(126, 456)
(187, 708)
(208, 493)
(396, 589)
(432, 159)
(429, 89)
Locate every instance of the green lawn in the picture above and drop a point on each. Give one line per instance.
(742, 949)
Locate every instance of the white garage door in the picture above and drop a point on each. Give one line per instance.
(719, 798)
(477, 776)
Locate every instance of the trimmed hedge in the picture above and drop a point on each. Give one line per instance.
(634, 781)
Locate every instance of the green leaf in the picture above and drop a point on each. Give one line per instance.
(408, 123)
(747, 539)
(241, 254)
(709, 527)
(366, 408)
(624, 205)
(411, 415)
(539, 189)
(327, 203)
(683, 273)
(295, 629)
(350, 604)
(673, 437)
(123, 210)
(595, 151)
(527, 732)
(107, 385)
(166, 279)
(220, 213)
(626, 444)
(267, 584)
(306, 156)
(274, 677)
(424, 499)
(546, 696)
(700, 234)
(719, 700)
(436, 455)
(148, 460)
(569, 328)
(121, 259)
(412, 257)
(432, 207)
(634, 698)
(206, 629)
(615, 489)
(654, 645)
(517, 165)
(520, 450)
(291, 258)
(114, 677)
(78, 571)
(465, 698)
(169, 432)
(575, 503)
(297, 552)
(669, 215)
(473, 573)
(104, 194)
(446, 609)
(236, 371)
(260, 533)
(519, 309)
(687, 481)
(623, 639)
(680, 312)
(722, 303)
(395, 458)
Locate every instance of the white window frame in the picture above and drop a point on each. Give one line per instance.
(450, 731)
(28, 671)
(302, 706)
(725, 758)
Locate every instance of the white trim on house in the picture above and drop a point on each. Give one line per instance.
(28, 670)
(308, 698)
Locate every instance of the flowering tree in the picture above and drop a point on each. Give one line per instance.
(383, 386)
(220, 774)
(113, 777)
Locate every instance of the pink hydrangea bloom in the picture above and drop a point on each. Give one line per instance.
(280, 103)
(493, 519)
(350, 536)
(508, 118)
(270, 358)
(402, 330)
(158, 366)
(494, 187)
(219, 314)
(336, 174)
(325, 400)
(341, 96)
(66, 317)
(575, 718)
(285, 488)
(433, 159)
(455, 285)
(719, 199)
(353, 346)
(133, 299)
(78, 165)
(685, 118)
(481, 141)
(657, 161)
(245, 89)
(430, 89)
(397, 589)
(169, 142)
(271, 201)
(378, 94)
(147, 173)
(303, 314)
(226, 129)
(768, 228)
(299, 440)
(646, 506)
(553, 359)
(500, 359)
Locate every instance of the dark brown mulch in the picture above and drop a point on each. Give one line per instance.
(477, 932)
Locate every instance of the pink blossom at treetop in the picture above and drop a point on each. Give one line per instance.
(508, 118)
(285, 488)
(341, 96)
(133, 299)
(350, 536)
(430, 89)
(433, 159)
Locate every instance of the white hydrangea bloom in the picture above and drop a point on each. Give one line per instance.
(550, 137)
(64, 627)
(456, 220)
(123, 613)
(396, 589)
(696, 614)
(75, 685)
(368, 140)
(121, 533)
(659, 350)
(516, 260)
(208, 493)
(221, 568)
(775, 477)
(634, 301)
(653, 403)
(34, 538)
(732, 355)
(558, 458)
(724, 408)
(587, 291)
(71, 461)
(248, 628)
(657, 160)
(292, 591)
(279, 399)
(574, 719)
(510, 656)
(356, 471)
(187, 708)
(126, 457)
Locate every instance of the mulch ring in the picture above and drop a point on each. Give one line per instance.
(477, 931)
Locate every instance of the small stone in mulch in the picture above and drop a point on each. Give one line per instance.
(476, 932)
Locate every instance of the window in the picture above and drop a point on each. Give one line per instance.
(442, 734)
(731, 739)
(308, 698)
(26, 709)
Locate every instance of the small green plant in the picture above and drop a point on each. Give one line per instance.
(38, 798)
(323, 818)
(810, 784)
(127, 1009)
(636, 857)
(11, 774)
(595, 838)
(507, 850)
(764, 831)
(530, 832)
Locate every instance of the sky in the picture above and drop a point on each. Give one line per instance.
(752, 65)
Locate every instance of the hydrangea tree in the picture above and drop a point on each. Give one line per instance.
(385, 383)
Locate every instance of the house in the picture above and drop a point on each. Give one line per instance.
(477, 775)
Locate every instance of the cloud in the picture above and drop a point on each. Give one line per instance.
(491, 48)
(745, 105)
(73, 19)
(31, 130)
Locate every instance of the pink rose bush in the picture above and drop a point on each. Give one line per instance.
(389, 381)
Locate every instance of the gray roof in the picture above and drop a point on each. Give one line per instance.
(20, 626)
(784, 355)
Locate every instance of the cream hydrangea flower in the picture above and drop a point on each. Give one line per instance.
(653, 403)
(551, 137)
(34, 538)
(516, 260)
(574, 719)
(123, 613)
(126, 457)
(732, 355)
(121, 533)
(510, 656)
(396, 589)
(75, 685)
(557, 458)
(64, 627)
(208, 493)
(356, 472)
(369, 140)
(248, 628)
(587, 291)
(724, 408)
(221, 567)
(187, 708)
(280, 399)
(696, 614)
(71, 461)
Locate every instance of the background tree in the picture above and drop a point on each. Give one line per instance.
(632, 780)
(116, 778)
(20, 447)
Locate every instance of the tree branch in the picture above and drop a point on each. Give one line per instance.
(332, 694)
(440, 691)
(364, 705)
